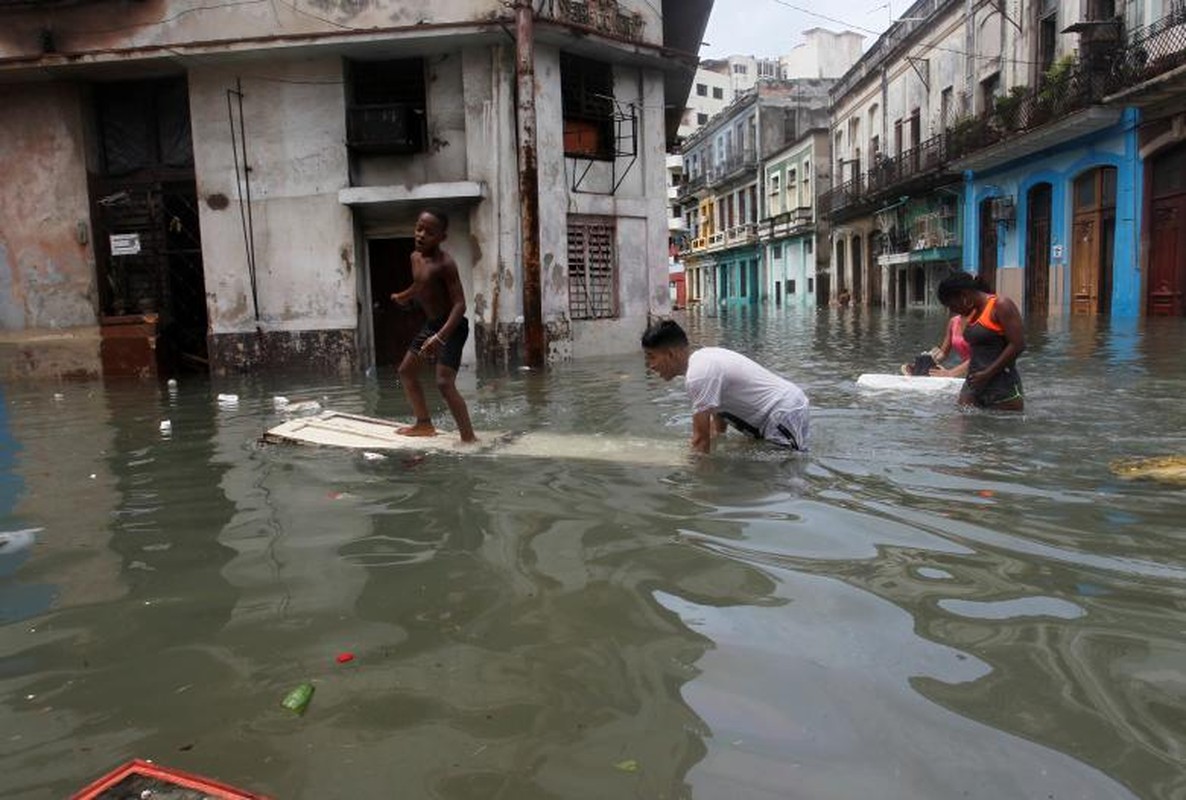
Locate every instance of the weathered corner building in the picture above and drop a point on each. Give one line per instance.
(1041, 144)
(235, 186)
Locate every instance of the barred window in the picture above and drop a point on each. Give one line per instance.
(592, 268)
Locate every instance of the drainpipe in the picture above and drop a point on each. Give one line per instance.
(533, 315)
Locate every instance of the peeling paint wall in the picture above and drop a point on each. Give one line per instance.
(47, 273)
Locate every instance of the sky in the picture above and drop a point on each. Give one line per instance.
(773, 27)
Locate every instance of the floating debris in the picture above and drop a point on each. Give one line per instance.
(228, 399)
(15, 541)
(298, 699)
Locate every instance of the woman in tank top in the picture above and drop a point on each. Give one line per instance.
(996, 338)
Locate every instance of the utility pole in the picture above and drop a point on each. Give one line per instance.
(533, 315)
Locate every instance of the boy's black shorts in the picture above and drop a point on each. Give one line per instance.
(449, 353)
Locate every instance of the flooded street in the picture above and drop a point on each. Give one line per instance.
(931, 604)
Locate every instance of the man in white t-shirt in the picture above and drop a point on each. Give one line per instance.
(727, 388)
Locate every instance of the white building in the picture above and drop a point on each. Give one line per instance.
(720, 81)
(822, 54)
(238, 189)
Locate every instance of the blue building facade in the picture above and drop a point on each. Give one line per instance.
(1058, 229)
(738, 276)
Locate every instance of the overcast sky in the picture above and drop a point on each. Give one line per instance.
(773, 27)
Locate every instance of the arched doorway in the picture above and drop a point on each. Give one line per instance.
(1093, 239)
(988, 244)
(1037, 250)
(1167, 245)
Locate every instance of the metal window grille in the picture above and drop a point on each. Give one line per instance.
(592, 268)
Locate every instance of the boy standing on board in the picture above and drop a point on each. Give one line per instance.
(437, 287)
(727, 388)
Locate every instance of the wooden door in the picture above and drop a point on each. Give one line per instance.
(1167, 246)
(1093, 240)
(1085, 263)
(988, 245)
(1037, 251)
(394, 328)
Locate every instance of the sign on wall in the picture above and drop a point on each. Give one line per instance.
(125, 244)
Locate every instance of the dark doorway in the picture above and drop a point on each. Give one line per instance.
(988, 244)
(918, 284)
(1037, 251)
(873, 294)
(390, 262)
(148, 248)
(1167, 246)
(858, 271)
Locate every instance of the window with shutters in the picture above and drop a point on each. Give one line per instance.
(592, 268)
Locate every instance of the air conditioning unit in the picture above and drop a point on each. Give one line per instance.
(1003, 209)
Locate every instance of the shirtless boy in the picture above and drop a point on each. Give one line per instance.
(437, 287)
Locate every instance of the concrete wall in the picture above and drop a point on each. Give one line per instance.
(446, 157)
(47, 272)
(638, 205)
(102, 28)
(293, 115)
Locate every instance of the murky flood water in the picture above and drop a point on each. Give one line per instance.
(930, 605)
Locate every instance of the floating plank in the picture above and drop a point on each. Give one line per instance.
(1168, 469)
(357, 432)
(908, 383)
(137, 779)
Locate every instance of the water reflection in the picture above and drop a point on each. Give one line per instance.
(930, 604)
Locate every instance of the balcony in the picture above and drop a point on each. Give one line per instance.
(391, 129)
(788, 223)
(736, 164)
(690, 185)
(716, 241)
(1151, 67)
(1069, 104)
(746, 233)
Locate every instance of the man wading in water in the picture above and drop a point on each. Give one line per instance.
(437, 287)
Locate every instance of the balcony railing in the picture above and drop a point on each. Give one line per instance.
(736, 163)
(745, 233)
(690, 184)
(788, 222)
(1151, 51)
